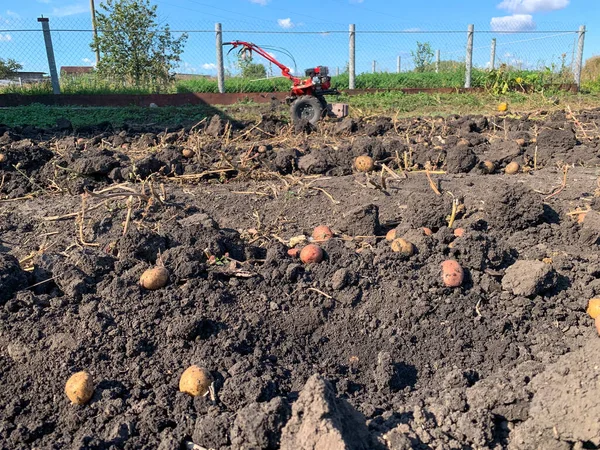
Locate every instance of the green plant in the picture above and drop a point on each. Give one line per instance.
(132, 46)
(8, 67)
(422, 57)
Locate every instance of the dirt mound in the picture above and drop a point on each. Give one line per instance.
(368, 349)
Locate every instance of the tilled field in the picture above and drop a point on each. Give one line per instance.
(366, 350)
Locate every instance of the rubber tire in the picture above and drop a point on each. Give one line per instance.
(307, 107)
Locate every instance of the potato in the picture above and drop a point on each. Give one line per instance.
(262, 149)
(195, 381)
(188, 153)
(391, 235)
(364, 163)
(293, 252)
(581, 217)
(2, 158)
(427, 231)
(322, 233)
(593, 308)
(488, 167)
(311, 254)
(597, 322)
(452, 273)
(520, 142)
(512, 168)
(79, 388)
(154, 278)
(459, 232)
(403, 247)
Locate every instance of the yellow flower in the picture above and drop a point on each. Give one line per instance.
(519, 80)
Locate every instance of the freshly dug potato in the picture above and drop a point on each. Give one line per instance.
(459, 232)
(311, 254)
(427, 231)
(403, 247)
(488, 167)
(391, 235)
(79, 388)
(452, 273)
(322, 233)
(262, 149)
(293, 252)
(188, 153)
(593, 308)
(2, 158)
(520, 142)
(154, 278)
(512, 168)
(364, 163)
(195, 381)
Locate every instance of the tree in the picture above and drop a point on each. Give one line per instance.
(422, 57)
(131, 44)
(250, 69)
(9, 67)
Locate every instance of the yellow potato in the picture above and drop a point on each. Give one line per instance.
(195, 381)
(512, 168)
(364, 163)
(403, 246)
(154, 278)
(79, 388)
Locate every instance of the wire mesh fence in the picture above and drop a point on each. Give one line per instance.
(441, 61)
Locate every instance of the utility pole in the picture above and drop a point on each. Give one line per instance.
(93, 11)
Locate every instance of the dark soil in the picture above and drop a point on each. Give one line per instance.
(366, 350)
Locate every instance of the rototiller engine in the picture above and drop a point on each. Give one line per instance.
(307, 97)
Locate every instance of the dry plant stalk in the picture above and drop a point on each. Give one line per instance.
(432, 184)
(562, 186)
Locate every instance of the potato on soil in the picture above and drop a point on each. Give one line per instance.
(195, 381)
(452, 273)
(403, 247)
(512, 168)
(322, 233)
(2, 158)
(391, 235)
(188, 153)
(311, 254)
(593, 308)
(364, 163)
(488, 167)
(459, 232)
(427, 231)
(79, 388)
(154, 278)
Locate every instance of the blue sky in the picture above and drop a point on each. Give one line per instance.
(530, 33)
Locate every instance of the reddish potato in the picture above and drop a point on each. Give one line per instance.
(293, 252)
(311, 254)
(459, 232)
(452, 273)
(427, 231)
(322, 233)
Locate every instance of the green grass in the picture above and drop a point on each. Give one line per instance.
(384, 103)
(93, 84)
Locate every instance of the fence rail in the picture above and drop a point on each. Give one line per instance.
(353, 52)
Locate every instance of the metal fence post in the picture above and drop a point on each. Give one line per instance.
(437, 61)
(337, 71)
(493, 55)
(220, 66)
(50, 54)
(374, 66)
(352, 59)
(399, 64)
(579, 60)
(469, 60)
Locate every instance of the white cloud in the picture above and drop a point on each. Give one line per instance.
(5, 37)
(209, 66)
(70, 10)
(260, 2)
(285, 23)
(532, 6)
(515, 23)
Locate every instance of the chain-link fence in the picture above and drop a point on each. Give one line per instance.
(424, 58)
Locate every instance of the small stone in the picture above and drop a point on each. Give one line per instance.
(528, 278)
